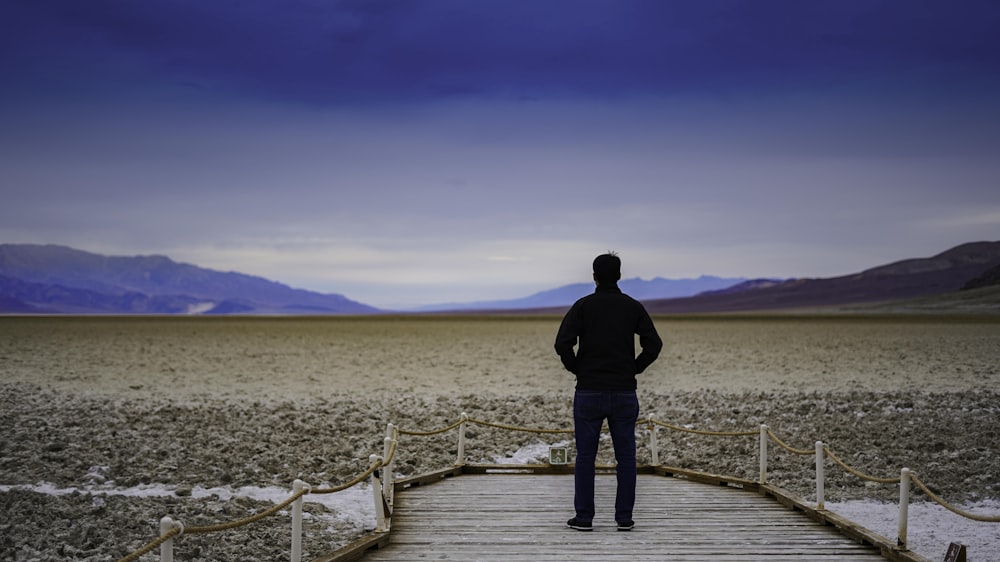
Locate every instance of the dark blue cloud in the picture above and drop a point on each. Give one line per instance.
(316, 51)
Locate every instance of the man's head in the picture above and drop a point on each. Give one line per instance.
(607, 268)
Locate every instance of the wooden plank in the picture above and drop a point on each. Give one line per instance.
(523, 517)
(357, 549)
(706, 477)
(427, 478)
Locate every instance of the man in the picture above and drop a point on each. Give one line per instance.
(604, 325)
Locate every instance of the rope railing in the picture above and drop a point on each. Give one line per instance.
(246, 520)
(355, 481)
(906, 476)
(433, 432)
(786, 446)
(952, 508)
(516, 428)
(383, 487)
(700, 431)
(175, 528)
(858, 473)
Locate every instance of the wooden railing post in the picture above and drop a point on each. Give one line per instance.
(378, 497)
(763, 454)
(167, 547)
(820, 459)
(904, 507)
(654, 450)
(461, 439)
(297, 486)
(387, 472)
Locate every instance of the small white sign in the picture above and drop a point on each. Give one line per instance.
(558, 455)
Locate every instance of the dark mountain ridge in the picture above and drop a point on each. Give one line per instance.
(989, 278)
(943, 273)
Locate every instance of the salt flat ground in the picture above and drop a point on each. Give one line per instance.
(291, 358)
(186, 404)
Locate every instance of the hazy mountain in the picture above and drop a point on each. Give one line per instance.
(656, 288)
(25, 297)
(37, 278)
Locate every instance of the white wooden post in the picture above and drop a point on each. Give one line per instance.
(461, 439)
(297, 486)
(820, 459)
(763, 454)
(654, 450)
(904, 506)
(387, 474)
(380, 520)
(387, 471)
(167, 547)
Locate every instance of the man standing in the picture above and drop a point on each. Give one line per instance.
(603, 325)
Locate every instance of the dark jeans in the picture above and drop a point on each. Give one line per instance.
(590, 409)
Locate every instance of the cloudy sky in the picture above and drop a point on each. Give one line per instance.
(425, 151)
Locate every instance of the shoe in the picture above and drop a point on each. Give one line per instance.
(575, 523)
(626, 525)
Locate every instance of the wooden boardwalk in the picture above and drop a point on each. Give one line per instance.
(519, 517)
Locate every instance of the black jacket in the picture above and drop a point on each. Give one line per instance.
(604, 324)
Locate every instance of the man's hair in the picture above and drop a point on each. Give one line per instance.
(607, 268)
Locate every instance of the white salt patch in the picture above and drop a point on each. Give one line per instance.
(529, 454)
(97, 473)
(896, 410)
(354, 506)
(140, 491)
(930, 528)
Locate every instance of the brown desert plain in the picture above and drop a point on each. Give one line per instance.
(109, 423)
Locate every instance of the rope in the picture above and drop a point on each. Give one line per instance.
(247, 520)
(253, 518)
(516, 428)
(357, 480)
(701, 431)
(256, 517)
(860, 475)
(434, 432)
(788, 447)
(950, 507)
(148, 547)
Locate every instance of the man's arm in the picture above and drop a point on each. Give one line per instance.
(567, 337)
(649, 341)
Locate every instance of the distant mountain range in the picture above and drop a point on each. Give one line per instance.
(48, 279)
(57, 279)
(973, 268)
(656, 288)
